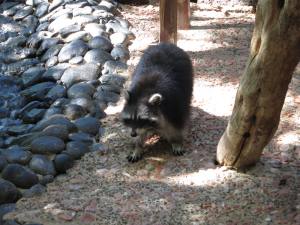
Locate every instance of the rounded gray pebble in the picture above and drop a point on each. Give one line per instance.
(76, 60)
(42, 165)
(102, 43)
(20, 176)
(84, 102)
(46, 179)
(73, 111)
(47, 145)
(120, 53)
(16, 154)
(35, 190)
(74, 48)
(3, 162)
(88, 125)
(98, 56)
(80, 136)
(57, 130)
(85, 72)
(57, 92)
(82, 89)
(52, 111)
(63, 162)
(76, 149)
(9, 193)
(55, 119)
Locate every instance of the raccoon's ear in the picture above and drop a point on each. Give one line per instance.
(126, 95)
(155, 99)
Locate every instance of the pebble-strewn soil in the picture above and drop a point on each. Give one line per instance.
(103, 188)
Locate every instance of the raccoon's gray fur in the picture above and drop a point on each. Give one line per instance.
(159, 96)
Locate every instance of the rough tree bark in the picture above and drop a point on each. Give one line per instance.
(274, 54)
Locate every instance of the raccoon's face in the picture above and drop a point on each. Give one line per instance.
(141, 113)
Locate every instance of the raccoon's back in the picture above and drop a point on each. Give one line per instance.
(169, 58)
(166, 69)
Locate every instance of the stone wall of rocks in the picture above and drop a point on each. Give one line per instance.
(62, 62)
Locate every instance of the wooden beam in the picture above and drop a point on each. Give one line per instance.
(183, 14)
(168, 21)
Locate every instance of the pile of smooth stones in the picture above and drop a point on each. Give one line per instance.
(62, 63)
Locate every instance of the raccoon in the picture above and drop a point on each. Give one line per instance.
(159, 96)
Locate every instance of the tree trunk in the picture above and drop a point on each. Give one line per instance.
(274, 54)
(168, 21)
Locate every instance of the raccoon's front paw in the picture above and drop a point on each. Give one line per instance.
(134, 157)
(177, 149)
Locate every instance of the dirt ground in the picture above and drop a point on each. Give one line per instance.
(103, 188)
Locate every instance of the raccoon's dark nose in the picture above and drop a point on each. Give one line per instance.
(133, 133)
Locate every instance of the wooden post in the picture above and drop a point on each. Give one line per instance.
(168, 21)
(183, 14)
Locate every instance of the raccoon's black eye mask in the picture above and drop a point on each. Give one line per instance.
(139, 123)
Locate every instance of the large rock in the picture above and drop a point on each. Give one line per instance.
(95, 29)
(47, 145)
(20, 176)
(52, 51)
(62, 162)
(46, 44)
(84, 72)
(87, 10)
(86, 103)
(75, 48)
(19, 67)
(55, 72)
(35, 190)
(15, 54)
(102, 43)
(111, 67)
(82, 89)
(120, 53)
(42, 165)
(77, 149)
(73, 111)
(59, 131)
(82, 137)
(57, 92)
(54, 120)
(61, 22)
(97, 56)
(55, 4)
(34, 115)
(64, 32)
(82, 35)
(16, 154)
(113, 79)
(85, 19)
(9, 193)
(22, 13)
(37, 91)
(32, 76)
(88, 125)
(3, 162)
(6, 208)
(106, 96)
(52, 111)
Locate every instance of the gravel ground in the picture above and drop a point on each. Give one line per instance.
(103, 188)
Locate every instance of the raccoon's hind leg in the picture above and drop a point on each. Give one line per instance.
(136, 155)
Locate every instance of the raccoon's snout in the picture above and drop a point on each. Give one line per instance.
(133, 133)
